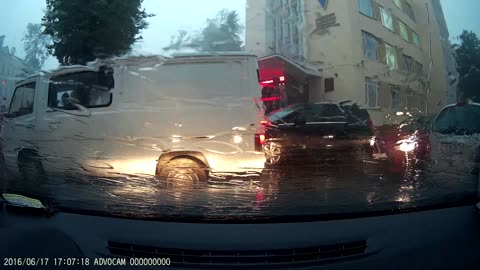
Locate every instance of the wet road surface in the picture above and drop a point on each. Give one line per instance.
(288, 191)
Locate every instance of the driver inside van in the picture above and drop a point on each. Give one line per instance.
(69, 101)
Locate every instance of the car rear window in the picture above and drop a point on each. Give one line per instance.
(326, 110)
(280, 114)
(458, 119)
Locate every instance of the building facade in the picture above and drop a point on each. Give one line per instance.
(11, 69)
(387, 55)
(450, 73)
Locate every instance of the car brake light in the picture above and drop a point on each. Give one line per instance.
(262, 139)
(259, 141)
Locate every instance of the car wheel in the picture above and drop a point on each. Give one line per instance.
(273, 153)
(33, 173)
(184, 172)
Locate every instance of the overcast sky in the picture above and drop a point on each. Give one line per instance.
(189, 15)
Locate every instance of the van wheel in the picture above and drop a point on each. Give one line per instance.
(274, 155)
(183, 171)
(33, 173)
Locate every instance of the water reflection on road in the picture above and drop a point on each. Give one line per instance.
(286, 191)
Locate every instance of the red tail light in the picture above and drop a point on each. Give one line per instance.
(259, 141)
(262, 139)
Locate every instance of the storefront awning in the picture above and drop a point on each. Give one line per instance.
(276, 65)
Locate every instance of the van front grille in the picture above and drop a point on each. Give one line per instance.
(240, 257)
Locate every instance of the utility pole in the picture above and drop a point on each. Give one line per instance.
(430, 62)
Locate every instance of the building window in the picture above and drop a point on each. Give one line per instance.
(403, 30)
(419, 68)
(391, 55)
(394, 98)
(416, 39)
(370, 46)
(398, 3)
(409, 11)
(366, 7)
(371, 92)
(329, 84)
(408, 63)
(278, 34)
(387, 19)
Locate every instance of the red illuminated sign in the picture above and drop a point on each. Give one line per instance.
(281, 79)
(270, 98)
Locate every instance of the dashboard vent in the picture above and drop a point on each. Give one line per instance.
(240, 257)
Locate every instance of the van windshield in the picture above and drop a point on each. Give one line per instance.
(239, 109)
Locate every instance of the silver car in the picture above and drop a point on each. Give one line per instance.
(455, 141)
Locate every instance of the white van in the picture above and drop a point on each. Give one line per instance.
(186, 117)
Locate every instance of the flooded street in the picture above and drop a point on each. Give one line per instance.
(287, 191)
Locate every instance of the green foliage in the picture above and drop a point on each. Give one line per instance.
(222, 33)
(83, 30)
(467, 55)
(35, 44)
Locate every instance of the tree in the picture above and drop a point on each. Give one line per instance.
(467, 55)
(84, 30)
(222, 33)
(35, 44)
(180, 41)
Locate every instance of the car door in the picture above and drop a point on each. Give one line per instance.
(455, 140)
(20, 124)
(289, 127)
(75, 123)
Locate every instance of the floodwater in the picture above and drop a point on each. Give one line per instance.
(289, 191)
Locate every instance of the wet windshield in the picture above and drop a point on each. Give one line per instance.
(239, 109)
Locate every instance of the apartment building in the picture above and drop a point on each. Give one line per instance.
(387, 55)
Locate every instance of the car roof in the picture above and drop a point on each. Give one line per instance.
(55, 72)
(325, 103)
(299, 105)
(456, 104)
